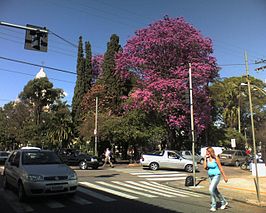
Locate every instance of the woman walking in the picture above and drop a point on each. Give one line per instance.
(213, 165)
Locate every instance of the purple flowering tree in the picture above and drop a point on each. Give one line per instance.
(159, 56)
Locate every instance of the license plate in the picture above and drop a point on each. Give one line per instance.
(57, 188)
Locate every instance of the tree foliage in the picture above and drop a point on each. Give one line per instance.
(159, 56)
(39, 93)
(230, 99)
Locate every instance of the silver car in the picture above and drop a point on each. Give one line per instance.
(187, 154)
(36, 172)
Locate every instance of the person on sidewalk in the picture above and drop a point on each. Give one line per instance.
(213, 165)
(107, 158)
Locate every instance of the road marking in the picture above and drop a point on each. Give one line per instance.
(167, 179)
(126, 190)
(120, 194)
(155, 184)
(158, 190)
(141, 189)
(160, 175)
(155, 172)
(80, 200)
(17, 206)
(94, 194)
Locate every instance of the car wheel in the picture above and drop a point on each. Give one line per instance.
(244, 166)
(237, 163)
(154, 166)
(201, 161)
(189, 168)
(83, 165)
(21, 193)
(5, 183)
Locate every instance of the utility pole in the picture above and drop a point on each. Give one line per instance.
(253, 129)
(96, 128)
(192, 124)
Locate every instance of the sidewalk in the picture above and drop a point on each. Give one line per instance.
(241, 189)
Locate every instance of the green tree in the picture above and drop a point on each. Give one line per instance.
(39, 93)
(88, 68)
(113, 84)
(230, 99)
(60, 131)
(79, 89)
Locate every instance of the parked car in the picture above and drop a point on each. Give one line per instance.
(3, 156)
(73, 157)
(217, 149)
(233, 157)
(187, 154)
(166, 159)
(36, 172)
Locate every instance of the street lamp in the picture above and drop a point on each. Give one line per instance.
(255, 87)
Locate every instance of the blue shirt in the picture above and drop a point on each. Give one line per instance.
(213, 168)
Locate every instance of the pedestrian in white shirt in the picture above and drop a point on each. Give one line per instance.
(107, 158)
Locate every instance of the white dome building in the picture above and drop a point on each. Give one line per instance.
(41, 74)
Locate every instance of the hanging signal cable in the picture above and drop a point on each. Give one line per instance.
(37, 65)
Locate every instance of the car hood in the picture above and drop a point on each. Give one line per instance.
(48, 169)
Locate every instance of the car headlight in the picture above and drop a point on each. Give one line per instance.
(73, 176)
(35, 178)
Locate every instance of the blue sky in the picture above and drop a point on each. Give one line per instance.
(233, 25)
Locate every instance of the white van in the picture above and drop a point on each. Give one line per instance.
(218, 150)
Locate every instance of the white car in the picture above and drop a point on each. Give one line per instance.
(166, 159)
(36, 172)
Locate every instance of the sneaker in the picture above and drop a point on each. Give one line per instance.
(212, 209)
(224, 206)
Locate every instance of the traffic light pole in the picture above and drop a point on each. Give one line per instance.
(22, 27)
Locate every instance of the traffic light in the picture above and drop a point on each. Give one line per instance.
(36, 38)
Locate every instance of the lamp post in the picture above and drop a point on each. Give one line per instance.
(238, 110)
(96, 127)
(253, 129)
(192, 124)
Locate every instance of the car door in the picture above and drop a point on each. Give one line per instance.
(174, 160)
(13, 169)
(188, 155)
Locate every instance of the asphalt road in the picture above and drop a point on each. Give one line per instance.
(123, 190)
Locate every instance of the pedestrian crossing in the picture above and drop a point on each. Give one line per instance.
(89, 193)
(158, 175)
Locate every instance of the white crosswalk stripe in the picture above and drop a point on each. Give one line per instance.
(94, 194)
(166, 192)
(160, 175)
(111, 191)
(86, 196)
(126, 189)
(168, 188)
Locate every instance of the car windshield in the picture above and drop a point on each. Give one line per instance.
(228, 152)
(41, 157)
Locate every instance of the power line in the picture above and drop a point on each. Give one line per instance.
(37, 65)
(74, 45)
(23, 73)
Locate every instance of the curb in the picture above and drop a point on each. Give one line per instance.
(134, 165)
(230, 198)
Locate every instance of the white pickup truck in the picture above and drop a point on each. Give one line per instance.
(166, 159)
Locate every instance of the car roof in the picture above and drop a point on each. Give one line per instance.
(30, 148)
